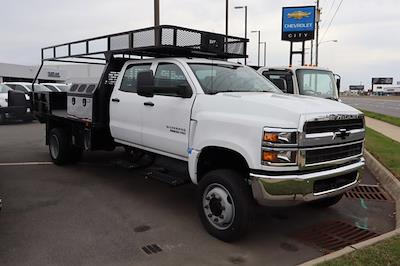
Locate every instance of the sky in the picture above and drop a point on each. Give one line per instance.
(368, 31)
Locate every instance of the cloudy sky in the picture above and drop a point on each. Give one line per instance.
(368, 31)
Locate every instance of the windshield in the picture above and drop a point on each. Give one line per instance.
(320, 83)
(62, 87)
(4, 88)
(216, 78)
(38, 87)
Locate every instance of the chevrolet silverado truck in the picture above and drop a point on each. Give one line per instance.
(304, 80)
(220, 125)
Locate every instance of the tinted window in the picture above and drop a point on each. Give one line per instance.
(52, 88)
(4, 88)
(20, 88)
(129, 81)
(282, 79)
(169, 75)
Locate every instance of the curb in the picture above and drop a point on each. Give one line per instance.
(392, 185)
(388, 181)
(352, 248)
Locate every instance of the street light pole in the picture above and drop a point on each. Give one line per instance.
(265, 52)
(226, 16)
(245, 24)
(259, 46)
(156, 13)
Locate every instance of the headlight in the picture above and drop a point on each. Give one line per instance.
(279, 147)
(279, 157)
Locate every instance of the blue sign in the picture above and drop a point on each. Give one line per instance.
(298, 23)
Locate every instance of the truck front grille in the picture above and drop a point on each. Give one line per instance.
(334, 182)
(333, 153)
(332, 125)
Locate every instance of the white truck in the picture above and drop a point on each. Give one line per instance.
(221, 125)
(304, 80)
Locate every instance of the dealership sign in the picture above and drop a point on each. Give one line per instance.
(298, 23)
(383, 81)
(356, 87)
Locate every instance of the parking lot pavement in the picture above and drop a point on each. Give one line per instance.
(100, 214)
(384, 105)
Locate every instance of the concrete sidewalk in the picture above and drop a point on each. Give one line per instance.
(386, 129)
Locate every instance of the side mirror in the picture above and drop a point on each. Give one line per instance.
(338, 80)
(145, 83)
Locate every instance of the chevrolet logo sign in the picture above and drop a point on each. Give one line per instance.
(342, 133)
(299, 15)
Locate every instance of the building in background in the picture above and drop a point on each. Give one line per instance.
(51, 73)
(356, 89)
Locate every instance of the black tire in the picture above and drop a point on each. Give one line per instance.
(239, 200)
(2, 118)
(60, 148)
(327, 202)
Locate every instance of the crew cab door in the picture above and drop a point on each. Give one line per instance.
(166, 117)
(126, 107)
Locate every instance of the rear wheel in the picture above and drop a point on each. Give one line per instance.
(224, 204)
(61, 149)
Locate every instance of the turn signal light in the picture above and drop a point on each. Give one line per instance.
(271, 137)
(270, 156)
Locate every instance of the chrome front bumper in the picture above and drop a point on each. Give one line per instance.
(285, 190)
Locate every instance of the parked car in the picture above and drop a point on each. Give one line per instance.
(16, 108)
(56, 87)
(25, 87)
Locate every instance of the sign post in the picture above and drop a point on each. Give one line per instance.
(298, 25)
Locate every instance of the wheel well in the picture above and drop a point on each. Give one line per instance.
(212, 158)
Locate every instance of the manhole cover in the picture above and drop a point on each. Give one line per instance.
(367, 192)
(332, 236)
(151, 249)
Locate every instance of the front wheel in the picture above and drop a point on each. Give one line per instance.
(224, 204)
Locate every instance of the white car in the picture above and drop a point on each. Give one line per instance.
(25, 87)
(4, 95)
(56, 87)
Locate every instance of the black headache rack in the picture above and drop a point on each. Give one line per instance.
(113, 51)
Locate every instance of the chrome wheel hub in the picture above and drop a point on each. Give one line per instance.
(218, 206)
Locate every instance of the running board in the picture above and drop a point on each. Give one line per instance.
(163, 176)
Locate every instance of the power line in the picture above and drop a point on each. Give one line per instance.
(330, 23)
(328, 13)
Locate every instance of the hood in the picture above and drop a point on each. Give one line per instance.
(270, 109)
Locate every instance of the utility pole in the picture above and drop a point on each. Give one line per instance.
(226, 17)
(317, 39)
(156, 13)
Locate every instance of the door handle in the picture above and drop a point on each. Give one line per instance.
(148, 104)
(116, 100)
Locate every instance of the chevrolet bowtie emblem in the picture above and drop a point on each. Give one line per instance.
(299, 15)
(342, 133)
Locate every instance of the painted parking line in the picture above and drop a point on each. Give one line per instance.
(25, 163)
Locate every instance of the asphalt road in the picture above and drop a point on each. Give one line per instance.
(95, 213)
(383, 105)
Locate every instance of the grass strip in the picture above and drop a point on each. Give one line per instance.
(385, 118)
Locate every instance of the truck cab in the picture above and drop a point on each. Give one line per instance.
(220, 125)
(304, 80)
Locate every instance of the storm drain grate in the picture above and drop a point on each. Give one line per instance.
(332, 236)
(367, 192)
(151, 249)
